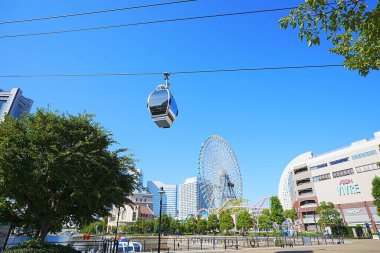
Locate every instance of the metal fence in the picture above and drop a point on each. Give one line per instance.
(190, 243)
(95, 246)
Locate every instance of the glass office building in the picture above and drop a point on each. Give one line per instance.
(169, 199)
(13, 103)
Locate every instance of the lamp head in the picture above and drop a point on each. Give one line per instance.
(161, 191)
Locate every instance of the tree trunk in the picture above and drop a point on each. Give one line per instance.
(44, 229)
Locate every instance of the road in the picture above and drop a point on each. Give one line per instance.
(367, 246)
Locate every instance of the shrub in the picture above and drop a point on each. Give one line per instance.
(37, 246)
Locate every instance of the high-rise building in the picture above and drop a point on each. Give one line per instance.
(14, 103)
(169, 199)
(342, 177)
(188, 197)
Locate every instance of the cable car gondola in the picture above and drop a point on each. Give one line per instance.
(162, 106)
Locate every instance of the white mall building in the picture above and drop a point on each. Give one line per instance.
(343, 177)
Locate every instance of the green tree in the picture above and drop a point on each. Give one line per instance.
(276, 210)
(165, 224)
(353, 29)
(376, 192)
(202, 226)
(175, 226)
(264, 220)
(190, 225)
(138, 225)
(328, 216)
(244, 220)
(58, 168)
(149, 225)
(291, 214)
(97, 227)
(213, 223)
(226, 221)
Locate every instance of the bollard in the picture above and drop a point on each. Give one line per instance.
(213, 242)
(201, 243)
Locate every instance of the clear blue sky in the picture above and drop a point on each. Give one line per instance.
(268, 117)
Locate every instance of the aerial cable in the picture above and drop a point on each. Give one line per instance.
(183, 72)
(145, 23)
(93, 12)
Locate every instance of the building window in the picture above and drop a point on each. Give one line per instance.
(299, 170)
(322, 177)
(308, 202)
(342, 173)
(369, 153)
(368, 167)
(305, 191)
(339, 161)
(303, 181)
(318, 166)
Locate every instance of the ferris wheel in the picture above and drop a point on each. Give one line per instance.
(220, 178)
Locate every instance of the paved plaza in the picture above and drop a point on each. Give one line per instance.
(351, 246)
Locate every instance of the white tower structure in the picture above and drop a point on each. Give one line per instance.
(284, 187)
(189, 201)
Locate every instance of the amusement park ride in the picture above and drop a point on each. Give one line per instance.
(221, 182)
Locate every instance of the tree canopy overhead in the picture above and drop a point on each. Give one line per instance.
(58, 168)
(353, 29)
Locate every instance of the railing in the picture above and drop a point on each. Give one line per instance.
(190, 243)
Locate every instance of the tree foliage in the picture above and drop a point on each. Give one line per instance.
(201, 226)
(190, 225)
(57, 168)
(264, 219)
(244, 220)
(97, 227)
(291, 214)
(276, 210)
(226, 221)
(165, 224)
(328, 216)
(353, 30)
(376, 192)
(213, 223)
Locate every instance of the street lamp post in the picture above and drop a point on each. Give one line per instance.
(115, 242)
(161, 192)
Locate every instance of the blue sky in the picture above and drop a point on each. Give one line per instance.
(268, 117)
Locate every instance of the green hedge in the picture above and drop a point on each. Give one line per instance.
(36, 246)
